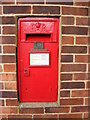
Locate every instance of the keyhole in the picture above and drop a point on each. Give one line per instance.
(25, 71)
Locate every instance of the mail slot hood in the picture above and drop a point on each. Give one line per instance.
(45, 29)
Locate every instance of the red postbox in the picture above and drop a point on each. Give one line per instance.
(37, 57)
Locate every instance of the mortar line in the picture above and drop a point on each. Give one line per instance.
(15, 2)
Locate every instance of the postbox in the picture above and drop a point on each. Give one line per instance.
(37, 58)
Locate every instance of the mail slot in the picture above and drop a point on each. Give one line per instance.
(37, 58)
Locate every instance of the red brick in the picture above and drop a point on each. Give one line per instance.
(1, 86)
(89, 30)
(71, 101)
(65, 94)
(9, 49)
(9, 68)
(60, 2)
(46, 10)
(1, 102)
(89, 68)
(81, 21)
(9, 30)
(3, 117)
(75, 30)
(31, 110)
(0, 10)
(72, 85)
(87, 101)
(8, 2)
(68, 20)
(67, 58)
(80, 76)
(20, 117)
(0, 29)
(88, 84)
(65, 77)
(79, 109)
(68, 116)
(81, 58)
(0, 50)
(75, 11)
(30, 1)
(81, 3)
(9, 77)
(86, 115)
(88, 76)
(8, 20)
(45, 117)
(11, 102)
(67, 40)
(10, 86)
(73, 68)
(16, 9)
(9, 110)
(8, 94)
(7, 40)
(82, 40)
(89, 50)
(0, 68)
(8, 59)
(80, 93)
(57, 109)
(74, 49)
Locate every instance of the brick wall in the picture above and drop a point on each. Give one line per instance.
(75, 50)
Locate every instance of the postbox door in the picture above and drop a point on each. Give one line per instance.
(38, 72)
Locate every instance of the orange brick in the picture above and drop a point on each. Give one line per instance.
(9, 110)
(87, 115)
(0, 68)
(81, 58)
(11, 102)
(82, 40)
(11, 86)
(3, 117)
(80, 93)
(9, 68)
(88, 84)
(67, 40)
(8, 77)
(87, 101)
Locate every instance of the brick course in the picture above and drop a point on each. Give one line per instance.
(74, 58)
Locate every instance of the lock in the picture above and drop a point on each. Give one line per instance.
(26, 72)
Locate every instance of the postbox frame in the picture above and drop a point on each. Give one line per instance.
(40, 104)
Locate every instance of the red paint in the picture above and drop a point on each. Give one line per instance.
(40, 83)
